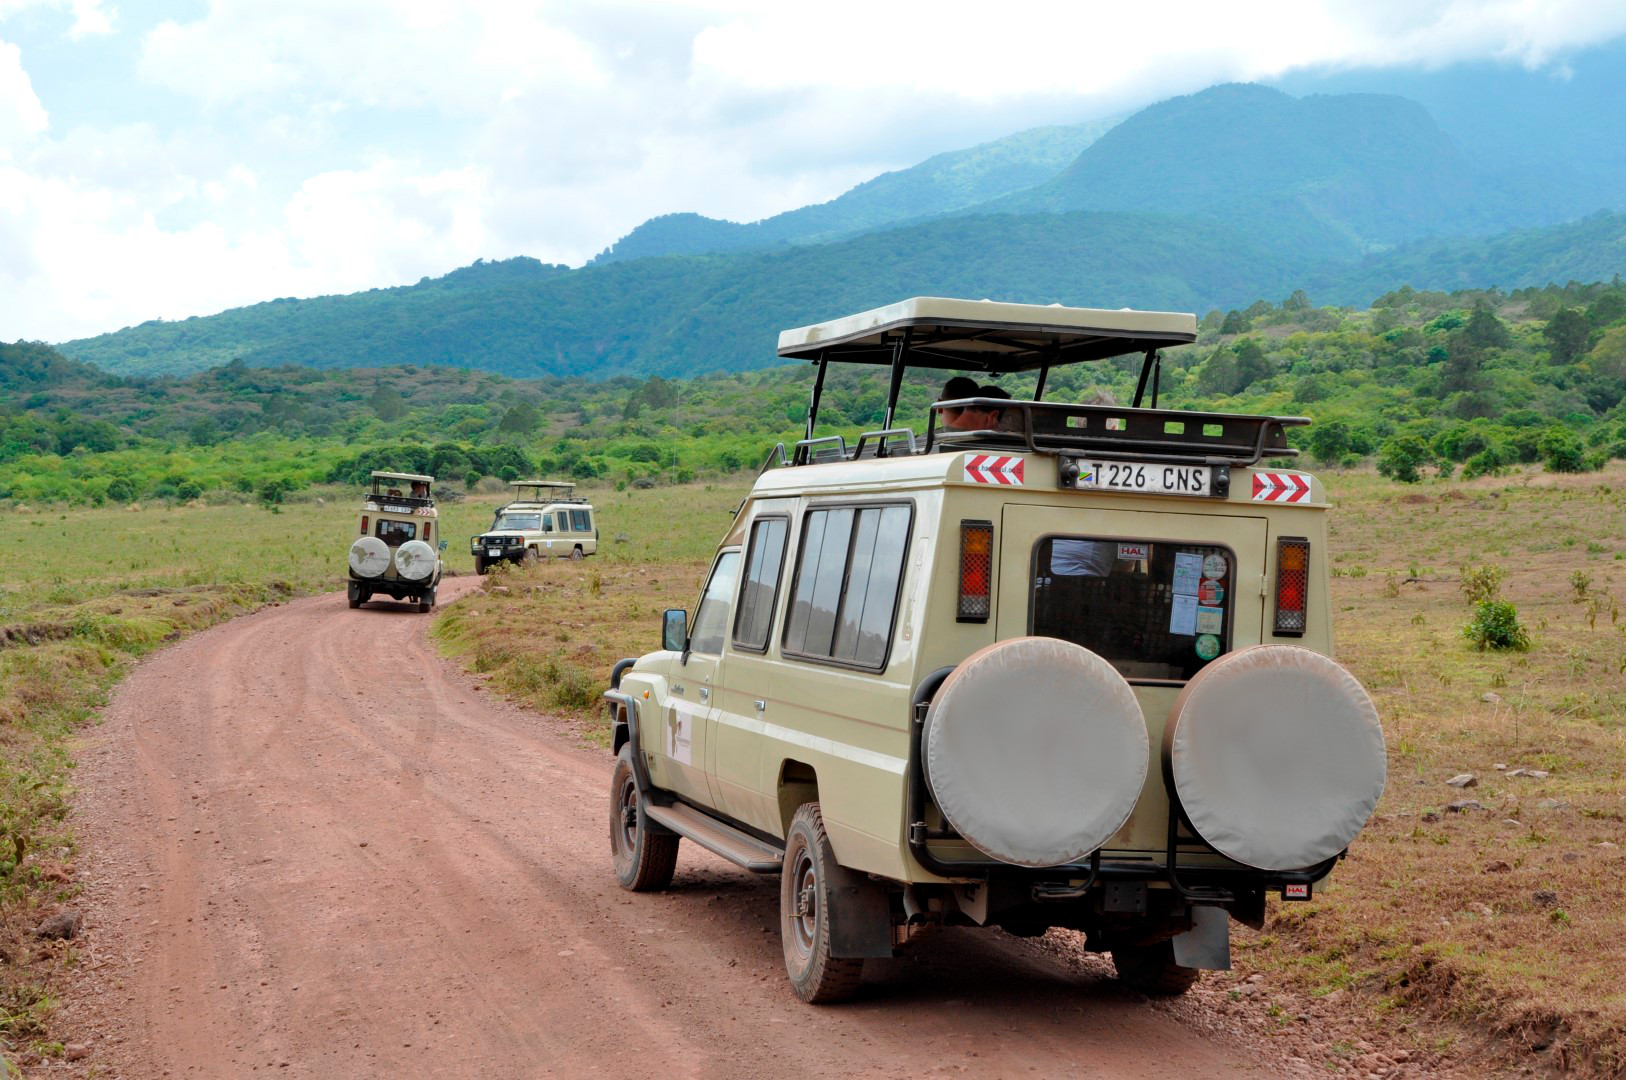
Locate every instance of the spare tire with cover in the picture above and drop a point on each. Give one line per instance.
(415, 560)
(369, 557)
(1276, 755)
(1035, 751)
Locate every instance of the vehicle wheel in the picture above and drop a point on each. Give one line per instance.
(576, 552)
(531, 556)
(644, 860)
(427, 601)
(1151, 969)
(804, 914)
(479, 566)
(353, 594)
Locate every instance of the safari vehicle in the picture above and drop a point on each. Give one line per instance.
(396, 552)
(543, 518)
(1069, 669)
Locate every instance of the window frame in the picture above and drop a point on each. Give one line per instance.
(778, 585)
(583, 526)
(733, 598)
(855, 505)
(1228, 635)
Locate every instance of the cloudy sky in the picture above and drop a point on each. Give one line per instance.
(165, 159)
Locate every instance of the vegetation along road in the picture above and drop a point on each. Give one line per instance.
(324, 851)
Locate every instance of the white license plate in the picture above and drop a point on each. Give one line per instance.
(494, 553)
(1144, 477)
(398, 509)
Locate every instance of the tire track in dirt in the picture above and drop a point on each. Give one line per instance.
(316, 848)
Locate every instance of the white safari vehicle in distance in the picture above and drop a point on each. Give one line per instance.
(1040, 665)
(543, 519)
(397, 550)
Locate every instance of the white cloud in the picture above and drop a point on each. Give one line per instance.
(89, 16)
(21, 115)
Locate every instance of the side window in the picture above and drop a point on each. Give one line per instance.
(711, 619)
(1153, 610)
(764, 560)
(579, 522)
(848, 574)
(547, 522)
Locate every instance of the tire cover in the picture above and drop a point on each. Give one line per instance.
(369, 557)
(415, 560)
(1277, 756)
(1035, 751)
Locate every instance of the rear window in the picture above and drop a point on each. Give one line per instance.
(395, 533)
(1154, 610)
(848, 573)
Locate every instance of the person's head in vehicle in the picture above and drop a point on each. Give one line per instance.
(420, 490)
(958, 387)
(980, 417)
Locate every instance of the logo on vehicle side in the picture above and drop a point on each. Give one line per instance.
(1280, 487)
(994, 469)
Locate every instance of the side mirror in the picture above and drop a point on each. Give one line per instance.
(675, 629)
(443, 545)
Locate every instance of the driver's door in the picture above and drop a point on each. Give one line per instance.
(693, 685)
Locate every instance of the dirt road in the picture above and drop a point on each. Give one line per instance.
(315, 849)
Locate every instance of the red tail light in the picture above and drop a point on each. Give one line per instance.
(976, 570)
(364, 524)
(426, 532)
(1292, 585)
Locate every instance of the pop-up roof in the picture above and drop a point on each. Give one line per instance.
(982, 335)
(380, 474)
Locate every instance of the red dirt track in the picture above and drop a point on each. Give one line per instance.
(316, 849)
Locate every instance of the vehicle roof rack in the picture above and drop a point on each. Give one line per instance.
(380, 474)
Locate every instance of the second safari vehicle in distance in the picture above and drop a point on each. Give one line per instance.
(1041, 665)
(397, 549)
(543, 519)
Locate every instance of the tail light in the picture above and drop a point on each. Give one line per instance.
(426, 532)
(1292, 585)
(976, 570)
(364, 524)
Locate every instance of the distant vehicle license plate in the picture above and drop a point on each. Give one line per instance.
(397, 509)
(493, 553)
(1145, 477)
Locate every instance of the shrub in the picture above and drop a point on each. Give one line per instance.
(187, 490)
(1402, 456)
(121, 490)
(1496, 625)
(1561, 451)
(1488, 462)
(1481, 583)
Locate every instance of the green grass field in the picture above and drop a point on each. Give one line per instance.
(1506, 919)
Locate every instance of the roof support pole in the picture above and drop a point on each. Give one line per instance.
(898, 351)
(1038, 390)
(818, 392)
(1157, 376)
(1145, 373)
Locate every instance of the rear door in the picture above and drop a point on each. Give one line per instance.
(1158, 594)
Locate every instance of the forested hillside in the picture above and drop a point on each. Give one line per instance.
(1424, 382)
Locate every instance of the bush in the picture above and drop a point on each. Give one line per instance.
(1402, 456)
(1488, 462)
(187, 490)
(1496, 625)
(121, 490)
(1480, 583)
(1561, 451)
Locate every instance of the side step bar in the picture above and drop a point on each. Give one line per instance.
(719, 838)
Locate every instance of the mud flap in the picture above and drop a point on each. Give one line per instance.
(1207, 945)
(860, 917)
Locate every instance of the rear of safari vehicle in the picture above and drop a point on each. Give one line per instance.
(1126, 719)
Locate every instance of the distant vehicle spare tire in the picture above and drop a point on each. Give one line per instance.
(1035, 751)
(369, 557)
(1276, 755)
(415, 560)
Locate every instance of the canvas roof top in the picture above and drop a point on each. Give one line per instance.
(380, 474)
(984, 335)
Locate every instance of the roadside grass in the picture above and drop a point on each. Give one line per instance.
(1435, 913)
(83, 593)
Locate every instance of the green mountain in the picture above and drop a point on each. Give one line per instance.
(940, 184)
(1339, 175)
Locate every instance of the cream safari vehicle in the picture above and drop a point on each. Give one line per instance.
(397, 551)
(543, 519)
(1068, 668)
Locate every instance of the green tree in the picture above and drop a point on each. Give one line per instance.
(1329, 442)
(1299, 301)
(1402, 456)
(121, 490)
(522, 419)
(1561, 451)
(387, 403)
(1235, 323)
(1566, 333)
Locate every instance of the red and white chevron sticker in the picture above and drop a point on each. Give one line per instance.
(1280, 487)
(994, 469)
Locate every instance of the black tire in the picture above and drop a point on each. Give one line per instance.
(479, 566)
(353, 594)
(644, 860)
(805, 900)
(531, 557)
(576, 552)
(1151, 969)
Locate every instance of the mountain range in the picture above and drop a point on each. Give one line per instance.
(1210, 200)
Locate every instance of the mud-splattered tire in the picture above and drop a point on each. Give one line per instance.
(576, 552)
(644, 860)
(479, 566)
(353, 594)
(531, 557)
(805, 899)
(1151, 969)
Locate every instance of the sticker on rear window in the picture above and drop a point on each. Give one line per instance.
(1133, 552)
(1214, 566)
(1211, 593)
(1207, 646)
(1210, 620)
